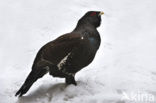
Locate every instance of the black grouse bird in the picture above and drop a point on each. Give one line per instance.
(67, 54)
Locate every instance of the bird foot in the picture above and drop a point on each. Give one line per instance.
(74, 83)
(70, 80)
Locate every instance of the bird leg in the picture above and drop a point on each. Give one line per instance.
(70, 80)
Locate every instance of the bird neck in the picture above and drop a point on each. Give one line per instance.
(84, 27)
(88, 30)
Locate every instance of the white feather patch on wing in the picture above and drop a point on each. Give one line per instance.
(63, 61)
(82, 37)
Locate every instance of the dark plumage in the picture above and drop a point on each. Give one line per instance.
(67, 54)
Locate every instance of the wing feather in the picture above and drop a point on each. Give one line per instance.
(56, 50)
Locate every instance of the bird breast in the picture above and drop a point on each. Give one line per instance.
(93, 44)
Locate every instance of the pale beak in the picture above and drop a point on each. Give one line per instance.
(101, 13)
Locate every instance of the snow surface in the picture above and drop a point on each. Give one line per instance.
(125, 62)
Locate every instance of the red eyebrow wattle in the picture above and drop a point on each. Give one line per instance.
(93, 13)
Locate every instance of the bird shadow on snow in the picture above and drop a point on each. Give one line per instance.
(43, 93)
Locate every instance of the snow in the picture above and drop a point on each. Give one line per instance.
(125, 62)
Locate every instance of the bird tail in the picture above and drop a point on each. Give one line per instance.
(32, 77)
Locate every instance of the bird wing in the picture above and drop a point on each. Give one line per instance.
(58, 49)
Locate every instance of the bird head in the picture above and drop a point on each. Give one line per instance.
(92, 18)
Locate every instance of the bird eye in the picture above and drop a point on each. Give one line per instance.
(93, 13)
